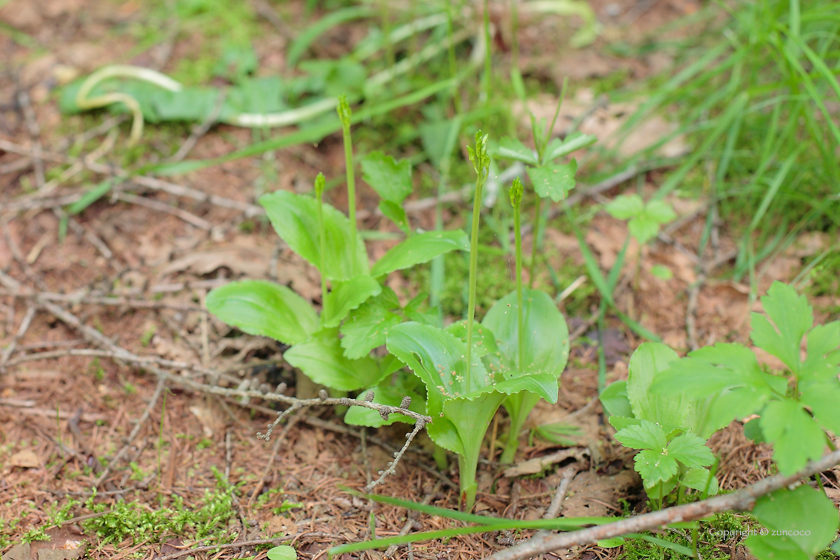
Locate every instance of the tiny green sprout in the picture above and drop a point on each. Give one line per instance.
(344, 111)
(516, 191)
(479, 157)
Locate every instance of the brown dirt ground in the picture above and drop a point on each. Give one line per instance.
(98, 401)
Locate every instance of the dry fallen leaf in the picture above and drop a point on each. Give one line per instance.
(25, 459)
(538, 464)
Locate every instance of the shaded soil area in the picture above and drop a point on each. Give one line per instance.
(131, 276)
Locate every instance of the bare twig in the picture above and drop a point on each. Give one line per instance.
(24, 326)
(742, 500)
(161, 386)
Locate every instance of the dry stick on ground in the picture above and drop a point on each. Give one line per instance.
(161, 386)
(274, 450)
(24, 326)
(742, 500)
(124, 355)
(560, 495)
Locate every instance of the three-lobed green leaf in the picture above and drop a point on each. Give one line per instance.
(391, 179)
(553, 180)
(792, 317)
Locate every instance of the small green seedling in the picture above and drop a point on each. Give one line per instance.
(714, 385)
(667, 430)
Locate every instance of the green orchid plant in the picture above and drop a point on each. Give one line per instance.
(538, 317)
(703, 392)
(333, 348)
(470, 369)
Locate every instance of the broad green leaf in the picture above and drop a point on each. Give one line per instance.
(614, 399)
(643, 228)
(689, 450)
(614, 542)
(546, 337)
(625, 206)
(281, 553)
(621, 422)
(389, 178)
(439, 359)
(419, 249)
(574, 141)
(295, 219)
(264, 309)
(395, 213)
(795, 435)
(700, 480)
(367, 327)
(542, 384)
(483, 341)
(390, 396)
(792, 317)
(347, 296)
(646, 364)
(809, 519)
(646, 435)
(322, 359)
(660, 212)
(511, 148)
(655, 467)
(823, 398)
(774, 547)
(553, 180)
(823, 357)
(711, 369)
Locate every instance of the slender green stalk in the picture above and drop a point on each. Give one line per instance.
(345, 114)
(320, 184)
(453, 65)
(535, 242)
(488, 63)
(385, 14)
(481, 164)
(515, 201)
(514, 32)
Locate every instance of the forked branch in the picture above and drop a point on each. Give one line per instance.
(742, 500)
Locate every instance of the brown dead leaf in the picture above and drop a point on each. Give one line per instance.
(604, 122)
(211, 416)
(63, 544)
(280, 524)
(538, 464)
(240, 258)
(25, 459)
(591, 494)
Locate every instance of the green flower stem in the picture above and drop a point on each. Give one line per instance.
(536, 237)
(488, 64)
(320, 183)
(466, 472)
(345, 114)
(515, 200)
(481, 163)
